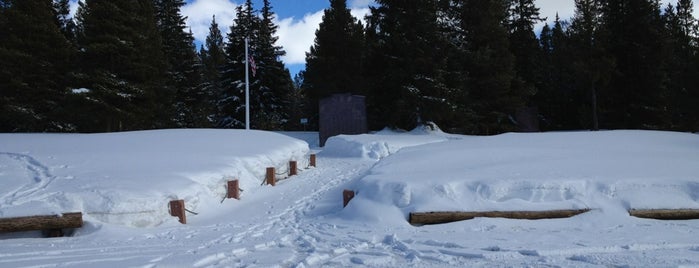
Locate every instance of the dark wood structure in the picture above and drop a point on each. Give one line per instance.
(342, 114)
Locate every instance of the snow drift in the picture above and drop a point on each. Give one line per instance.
(128, 178)
(609, 170)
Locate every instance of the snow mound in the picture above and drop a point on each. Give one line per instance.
(381, 144)
(129, 178)
(610, 170)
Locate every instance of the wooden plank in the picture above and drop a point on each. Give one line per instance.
(49, 222)
(419, 218)
(666, 214)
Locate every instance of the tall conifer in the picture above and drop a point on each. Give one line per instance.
(406, 83)
(636, 97)
(124, 67)
(183, 73)
(334, 63)
(487, 98)
(212, 58)
(34, 55)
(230, 101)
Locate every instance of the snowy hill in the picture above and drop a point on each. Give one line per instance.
(122, 182)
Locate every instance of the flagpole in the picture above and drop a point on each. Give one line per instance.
(247, 87)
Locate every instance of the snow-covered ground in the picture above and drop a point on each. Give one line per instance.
(123, 181)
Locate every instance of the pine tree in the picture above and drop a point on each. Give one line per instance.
(123, 67)
(65, 22)
(212, 58)
(592, 65)
(486, 98)
(556, 99)
(298, 105)
(182, 65)
(406, 83)
(682, 66)
(35, 56)
(636, 97)
(272, 82)
(230, 101)
(334, 63)
(523, 14)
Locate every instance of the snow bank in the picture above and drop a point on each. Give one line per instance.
(381, 144)
(128, 178)
(610, 170)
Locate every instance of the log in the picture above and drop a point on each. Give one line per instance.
(45, 222)
(420, 218)
(666, 214)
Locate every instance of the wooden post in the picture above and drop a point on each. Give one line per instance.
(50, 223)
(292, 168)
(313, 160)
(233, 189)
(347, 196)
(177, 210)
(270, 176)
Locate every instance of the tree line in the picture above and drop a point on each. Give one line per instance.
(132, 65)
(468, 65)
(471, 65)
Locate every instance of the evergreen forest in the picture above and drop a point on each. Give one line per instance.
(470, 66)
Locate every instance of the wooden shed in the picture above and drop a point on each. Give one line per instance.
(342, 114)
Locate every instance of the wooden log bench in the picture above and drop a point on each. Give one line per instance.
(51, 225)
(422, 218)
(666, 214)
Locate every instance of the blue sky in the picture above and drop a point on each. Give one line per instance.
(298, 20)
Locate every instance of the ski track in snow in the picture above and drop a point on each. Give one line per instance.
(291, 232)
(41, 178)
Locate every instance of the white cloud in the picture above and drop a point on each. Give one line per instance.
(200, 12)
(297, 36)
(360, 13)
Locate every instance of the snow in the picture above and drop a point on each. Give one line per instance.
(124, 178)
(123, 181)
(81, 90)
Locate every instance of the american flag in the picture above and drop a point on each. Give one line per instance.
(253, 66)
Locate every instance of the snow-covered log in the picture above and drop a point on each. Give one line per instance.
(419, 218)
(45, 223)
(666, 214)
